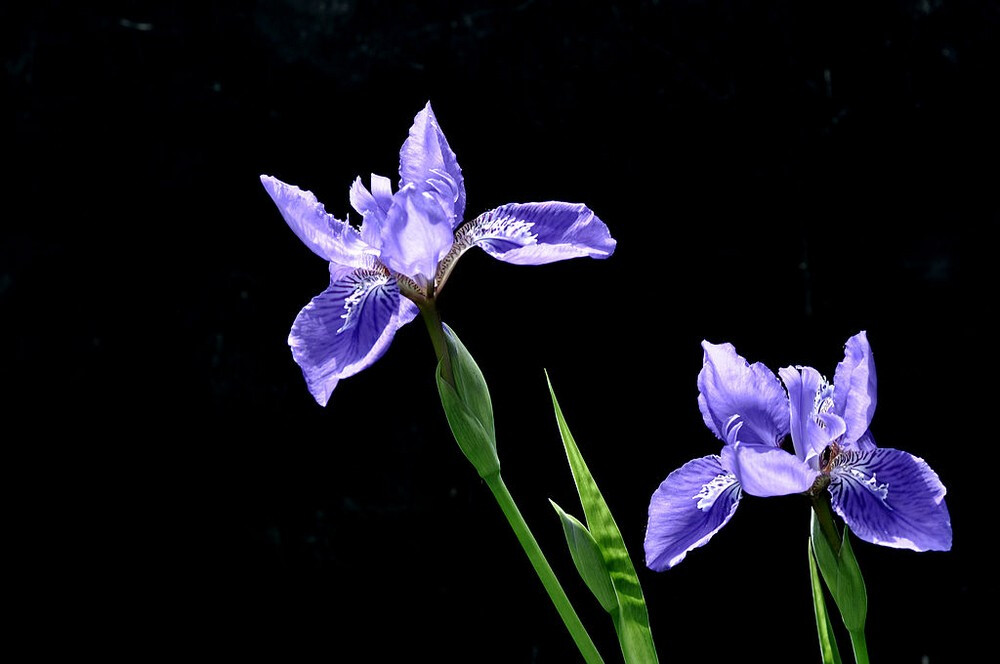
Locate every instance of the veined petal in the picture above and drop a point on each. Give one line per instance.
(808, 437)
(688, 508)
(854, 387)
(765, 470)
(347, 328)
(537, 233)
(416, 235)
(731, 392)
(891, 498)
(427, 161)
(328, 237)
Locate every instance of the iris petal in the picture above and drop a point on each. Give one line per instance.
(346, 328)
(854, 387)
(415, 235)
(808, 437)
(891, 498)
(373, 206)
(765, 470)
(688, 508)
(427, 161)
(538, 233)
(731, 392)
(328, 237)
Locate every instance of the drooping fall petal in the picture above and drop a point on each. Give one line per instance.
(688, 508)
(538, 233)
(892, 498)
(347, 328)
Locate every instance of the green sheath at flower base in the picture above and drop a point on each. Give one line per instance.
(466, 401)
(843, 577)
(468, 407)
(824, 630)
(629, 614)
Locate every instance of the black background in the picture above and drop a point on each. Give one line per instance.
(778, 176)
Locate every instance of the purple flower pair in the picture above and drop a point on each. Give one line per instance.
(405, 249)
(886, 496)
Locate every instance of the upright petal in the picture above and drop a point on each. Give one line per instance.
(329, 238)
(346, 328)
(891, 498)
(416, 235)
(537, 233)
(765, 470)
(854, 387)
(427, 161)
(688, 508)
(731, 392)
(376, 201)
(373, 206)
(809, 437)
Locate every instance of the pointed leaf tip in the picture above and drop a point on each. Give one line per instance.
(631, 617)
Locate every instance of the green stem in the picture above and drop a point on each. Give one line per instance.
(821, 505)
(860, 646)
(542, 568)
(435, 328)
(548, 578)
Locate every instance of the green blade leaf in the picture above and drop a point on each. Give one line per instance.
(827, 642)
(630, 617)
(843, 577)
(468, 407)
(588, 559)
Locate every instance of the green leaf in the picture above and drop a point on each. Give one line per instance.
(588, 559)
(827, 641)
(630, 616)
(468, 407)
(843, 577)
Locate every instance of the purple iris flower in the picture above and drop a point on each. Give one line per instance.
(405, 249)
(886, 496)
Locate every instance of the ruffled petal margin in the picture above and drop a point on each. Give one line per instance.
(688, 508)
(892, 498)
(328, 237)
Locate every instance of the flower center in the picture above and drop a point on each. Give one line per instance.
(409, 288)
(829, 457)
(365, 280)
(710, 492)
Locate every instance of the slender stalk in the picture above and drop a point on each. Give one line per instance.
(517, 523)
(542, 568)
(434, 327)
(860, 646)
(821, 505)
